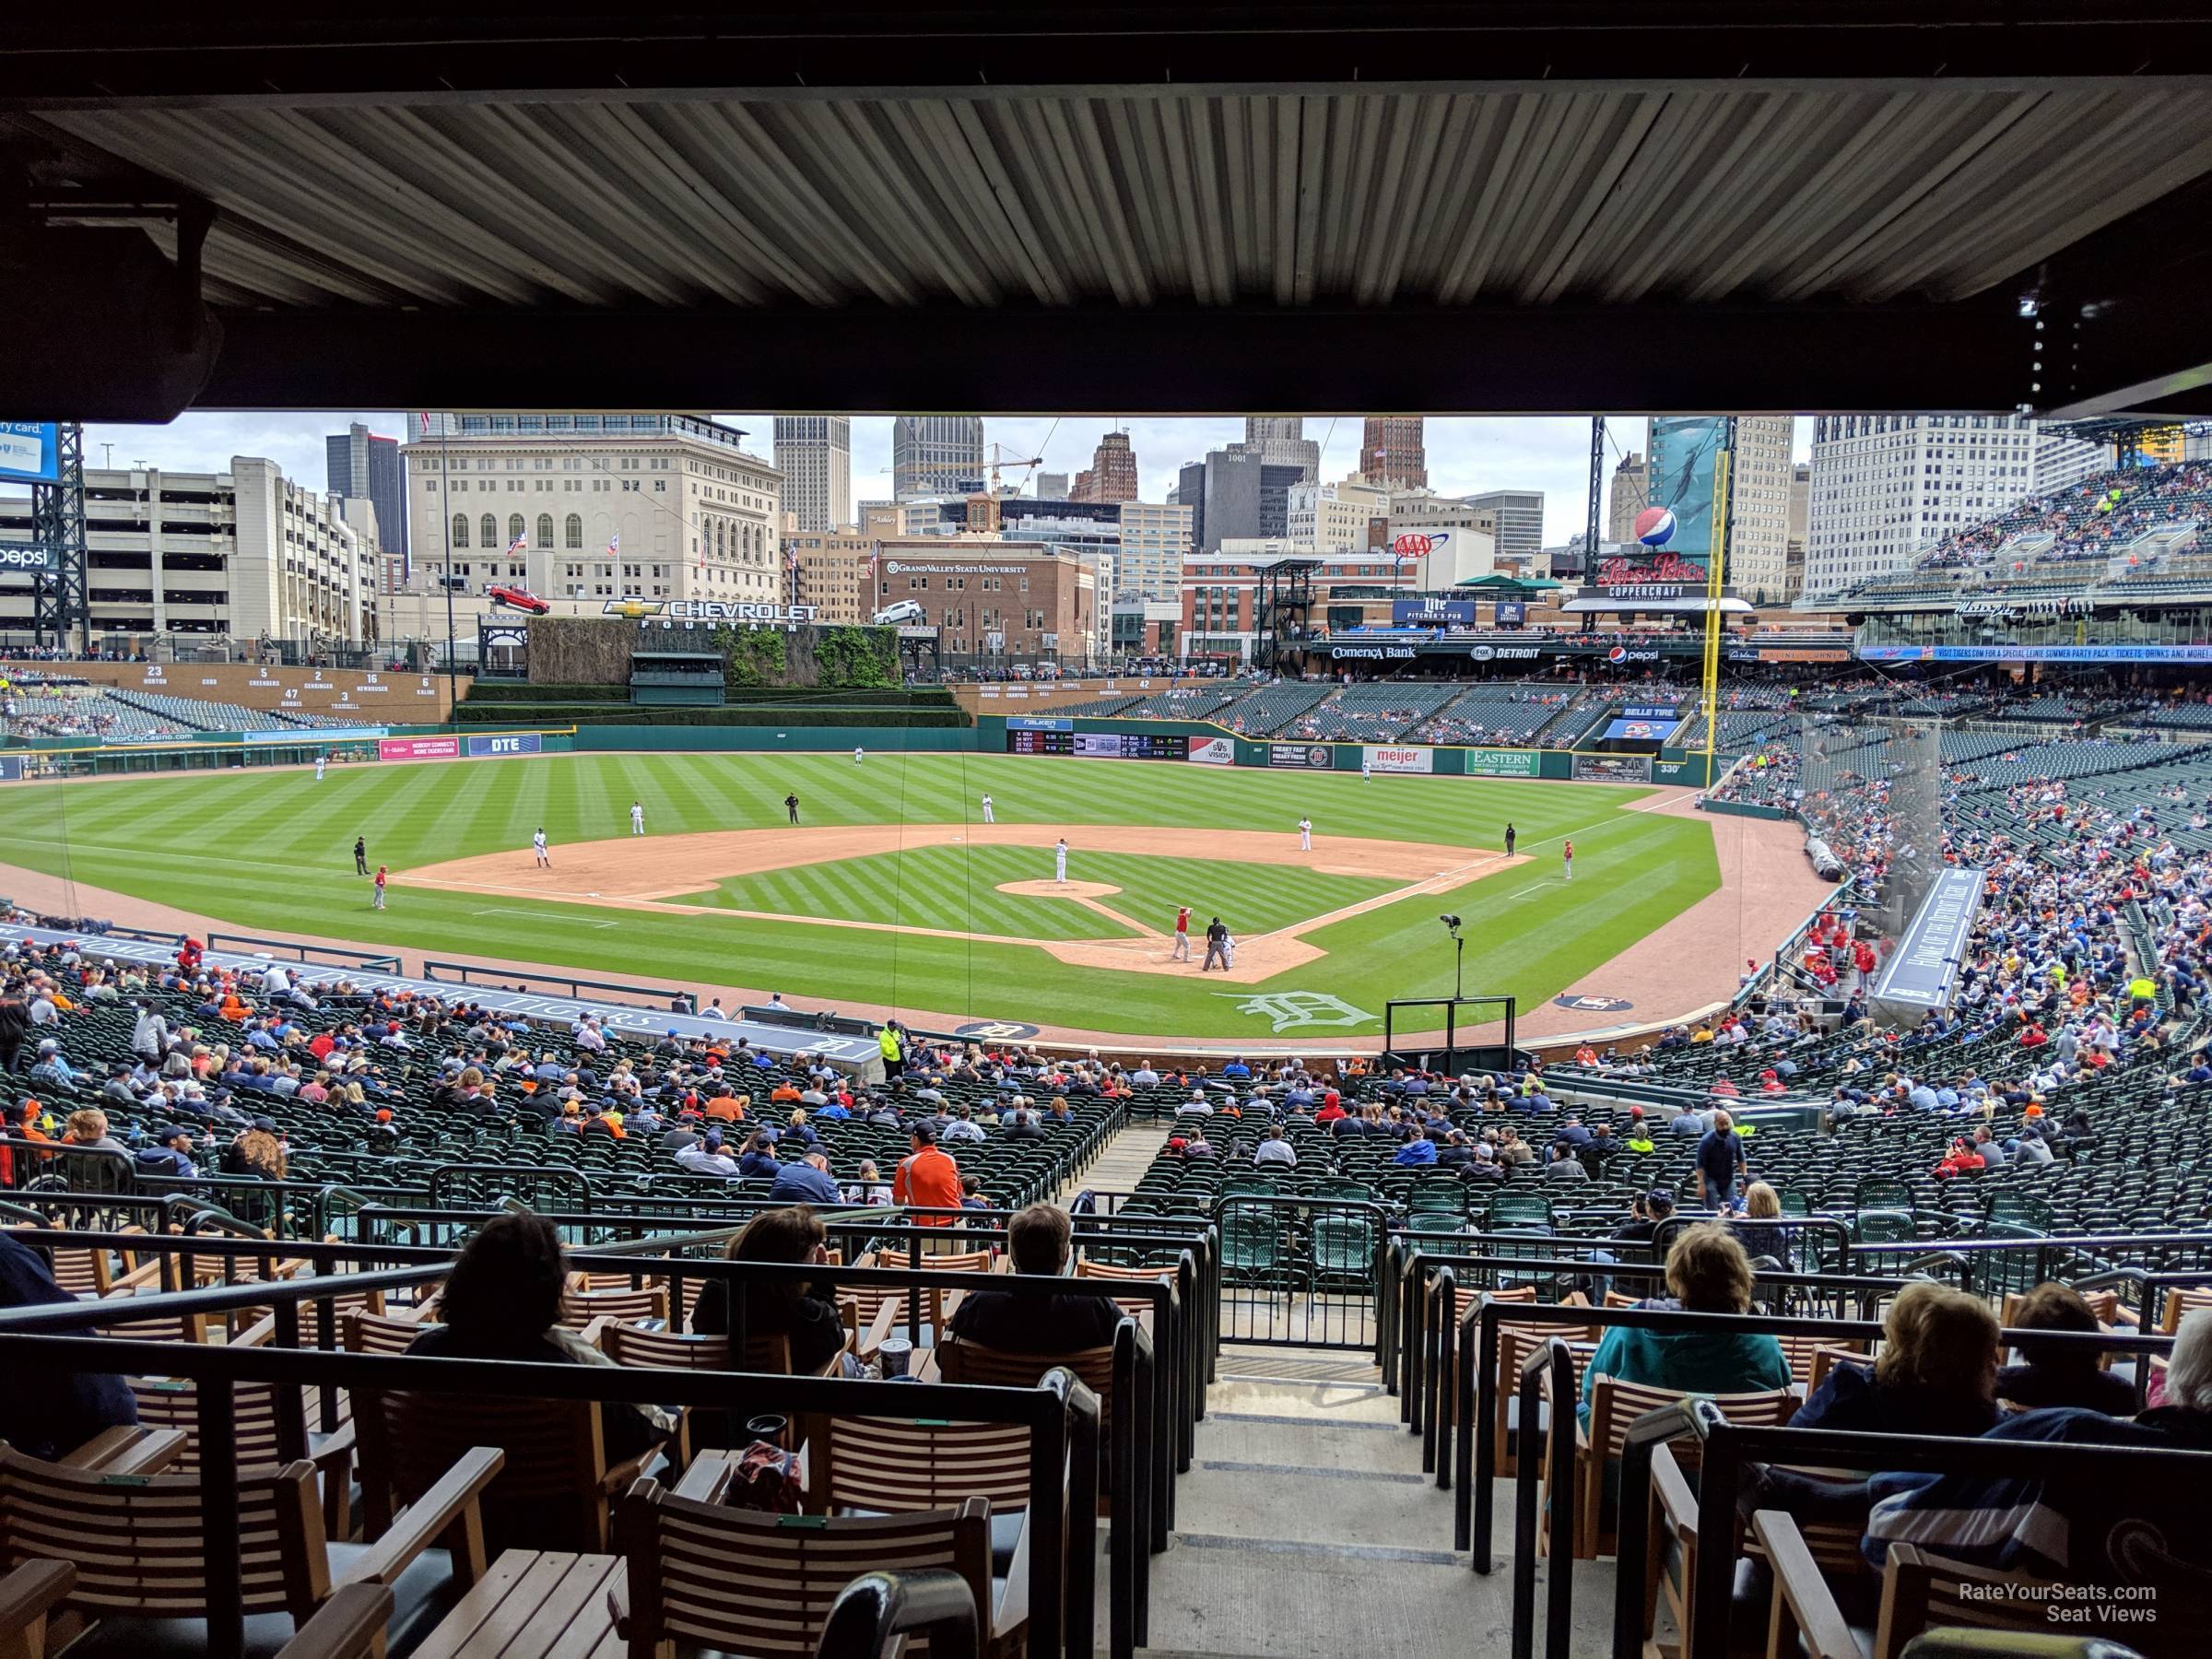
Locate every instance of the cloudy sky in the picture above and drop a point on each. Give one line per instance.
(1466, 455)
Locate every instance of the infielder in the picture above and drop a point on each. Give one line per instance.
(636, 818)
(1305, 835)
(537, 845)
(1060, 859)
(989, 817)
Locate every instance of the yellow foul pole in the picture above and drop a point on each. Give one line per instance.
(1716, 572)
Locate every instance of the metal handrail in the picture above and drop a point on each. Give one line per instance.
(1060, 1412)
(873, 1614)
(1550, 1367)
(1479, 1350)
(1728, 1447)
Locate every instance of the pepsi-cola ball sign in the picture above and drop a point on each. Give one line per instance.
(1655, 526)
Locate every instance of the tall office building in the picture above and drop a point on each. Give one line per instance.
(1154, 539)
(937, 455)
(1281, 441)
(1391, 451)
(1111, 475)
(1885, 487)
(1520, 515)
(1801, 512)
(1234, 495)
(1049, 487)
(1627, 499)
(365, 467)
(1759, 472)
(814, 453)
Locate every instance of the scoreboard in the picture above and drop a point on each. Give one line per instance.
(1101, 746)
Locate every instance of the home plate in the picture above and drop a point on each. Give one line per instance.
(590, 895)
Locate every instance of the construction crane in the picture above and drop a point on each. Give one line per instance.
(998, 459)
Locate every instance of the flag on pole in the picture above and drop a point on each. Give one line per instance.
(425, 418)
(521, 544)
(614, 547)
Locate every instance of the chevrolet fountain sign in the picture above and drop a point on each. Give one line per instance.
(709, 610)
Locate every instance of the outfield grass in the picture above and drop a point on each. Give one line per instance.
(956, 888)
(274, 850)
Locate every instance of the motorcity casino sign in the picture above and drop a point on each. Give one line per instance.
(1663, 576)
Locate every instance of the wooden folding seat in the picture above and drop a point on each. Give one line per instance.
(554, 1491)
(137, 1544)
(1613, 1406)
(684, 1593)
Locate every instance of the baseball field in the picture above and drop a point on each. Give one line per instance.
(891, 892)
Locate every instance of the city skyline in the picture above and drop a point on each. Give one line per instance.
(1467, 455)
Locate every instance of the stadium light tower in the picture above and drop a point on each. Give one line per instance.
(1459, 952)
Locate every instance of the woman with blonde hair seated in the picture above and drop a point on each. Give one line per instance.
(1707, 1272)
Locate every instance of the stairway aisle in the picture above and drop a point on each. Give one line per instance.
(1306, 1529)
(1127, 1156)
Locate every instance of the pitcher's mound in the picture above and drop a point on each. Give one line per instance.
(1058, 890)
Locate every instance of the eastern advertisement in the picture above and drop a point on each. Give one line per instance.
(1312, 757)
(418, 748)
(1503, 762)
(1214, 751)
(1385, 759)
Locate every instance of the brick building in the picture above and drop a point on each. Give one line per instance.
(996, 602)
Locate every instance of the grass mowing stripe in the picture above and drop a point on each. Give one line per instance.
(269, 849)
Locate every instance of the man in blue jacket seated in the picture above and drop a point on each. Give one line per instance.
(806, 1181)
(1418, 1148)
(1039, 1240)
(56, 1411)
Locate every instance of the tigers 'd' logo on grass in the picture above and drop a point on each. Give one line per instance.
(1297, 1010)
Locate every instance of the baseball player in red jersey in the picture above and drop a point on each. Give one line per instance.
(1183, 935)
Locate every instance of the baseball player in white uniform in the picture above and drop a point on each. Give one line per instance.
(859, 754)
(537, 846)
(1305, 835)
(1367, 771)
(636, 818)
(321, 762)
(989, 817)
(1059, 860)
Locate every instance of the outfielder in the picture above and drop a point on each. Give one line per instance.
(1567, 861)
(321, 762)
(537, 845)
(859, 754)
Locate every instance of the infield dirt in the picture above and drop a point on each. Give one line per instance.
(648, 874)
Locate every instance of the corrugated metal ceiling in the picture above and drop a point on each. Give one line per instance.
(1371, 197)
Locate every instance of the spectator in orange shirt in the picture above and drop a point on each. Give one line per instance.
(726, 1106)
(785, 1093)
(927, 1178)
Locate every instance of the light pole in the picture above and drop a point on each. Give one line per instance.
(1459, 951)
